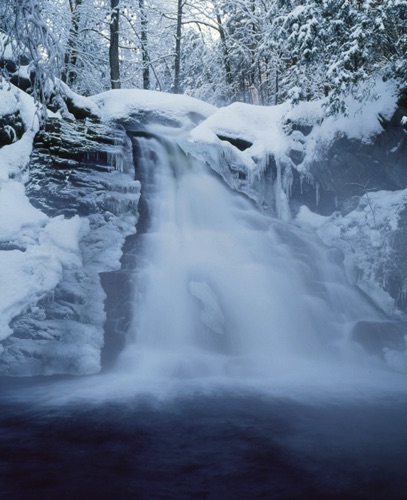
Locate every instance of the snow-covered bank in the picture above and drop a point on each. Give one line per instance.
(270, 153)
(32, 249)
(51, 299)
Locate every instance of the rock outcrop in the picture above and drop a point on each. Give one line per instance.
(78, 169)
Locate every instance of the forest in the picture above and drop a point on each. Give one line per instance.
(256, 51)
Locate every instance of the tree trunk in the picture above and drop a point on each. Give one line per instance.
(253, 45)
(114, 46)
(69, 74)
(144, 48)
(226, 59)
(177, 64)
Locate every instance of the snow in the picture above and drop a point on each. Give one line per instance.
(259, 125)
(264, 125)
(26, 275)
(18, 216)
(362, 121)
(15, 157)
(245, 121)
(40, 246)
(123, 104)
(6, 51)
(263, 128)
(308, 219)
(40, 253)
(269, 130)
(64, 233)
(80, 101)
(8, 101)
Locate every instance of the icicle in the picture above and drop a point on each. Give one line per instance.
(281, 199)
(262, 165)
(116, 160)
(277, 189)
(288, 180)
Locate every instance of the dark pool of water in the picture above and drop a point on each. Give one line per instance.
(220, 446)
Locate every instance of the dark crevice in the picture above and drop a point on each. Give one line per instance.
(240, 144)
(119, 285)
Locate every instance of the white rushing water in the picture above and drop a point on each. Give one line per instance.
(222, 290)
(227, 298)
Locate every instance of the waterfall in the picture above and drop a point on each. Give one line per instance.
(221, 290)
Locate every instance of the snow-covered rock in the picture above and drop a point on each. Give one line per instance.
(150, 107)
(62, 224)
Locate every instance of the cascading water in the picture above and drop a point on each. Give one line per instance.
(239, 379)
(222, 290)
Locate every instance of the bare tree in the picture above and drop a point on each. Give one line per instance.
(114, 45)
(144, 45)
(177, 62)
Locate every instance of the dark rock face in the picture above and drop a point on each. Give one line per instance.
(349, 167)
(240, 144)
(344, 170)
(11, 129)
(306, 190)
(78, 169)
(375, 337)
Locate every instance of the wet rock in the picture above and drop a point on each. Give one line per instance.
(11, 128)
(350, 167)
(376, 337)
(239, 143)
